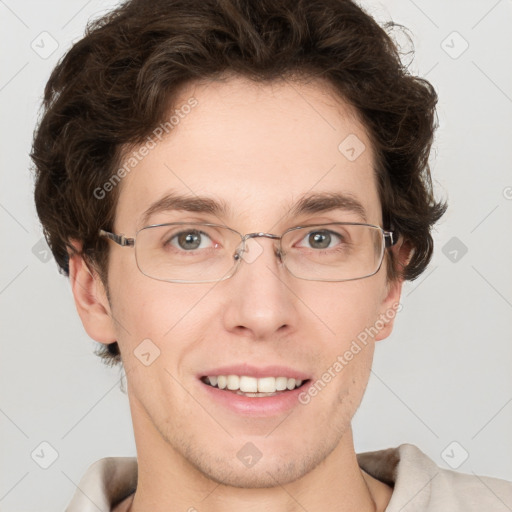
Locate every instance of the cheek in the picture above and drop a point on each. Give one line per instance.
(160, 330)
(345, 313)
(344, 310)
(152, 315)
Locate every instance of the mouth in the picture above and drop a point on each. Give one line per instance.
(254, 387)
(254, 391)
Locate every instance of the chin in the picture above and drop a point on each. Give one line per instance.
(262, 464)
(262, 475)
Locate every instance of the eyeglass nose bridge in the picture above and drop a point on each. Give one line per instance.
(248, 236)
(256, 235)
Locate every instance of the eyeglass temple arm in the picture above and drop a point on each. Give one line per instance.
(118, 239)
(123, 241)
(390, 239)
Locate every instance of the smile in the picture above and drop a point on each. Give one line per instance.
(253, 386)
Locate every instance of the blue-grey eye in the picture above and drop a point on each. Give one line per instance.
(320, 240)
(190, 240)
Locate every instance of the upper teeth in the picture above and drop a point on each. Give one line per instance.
(252, 384)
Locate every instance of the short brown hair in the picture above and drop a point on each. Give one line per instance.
(117, 84)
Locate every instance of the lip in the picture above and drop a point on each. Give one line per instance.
(261, 407)
(254, 371)
(255, 406)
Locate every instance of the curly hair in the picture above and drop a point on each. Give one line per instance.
(117, 84)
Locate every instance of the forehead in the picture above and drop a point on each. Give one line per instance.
(254, 149)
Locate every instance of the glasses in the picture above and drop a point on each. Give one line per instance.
(182, 252)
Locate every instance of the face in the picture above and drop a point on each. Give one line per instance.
(258, 150)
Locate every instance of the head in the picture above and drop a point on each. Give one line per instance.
(255, 107)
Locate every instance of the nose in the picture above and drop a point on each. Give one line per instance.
(260, 303)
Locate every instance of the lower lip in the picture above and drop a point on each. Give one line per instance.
(256, 406)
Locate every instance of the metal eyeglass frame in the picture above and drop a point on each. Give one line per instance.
(123, 241)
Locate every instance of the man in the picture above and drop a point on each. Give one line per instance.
(237, 191)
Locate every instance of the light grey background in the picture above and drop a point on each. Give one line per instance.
(443, 376)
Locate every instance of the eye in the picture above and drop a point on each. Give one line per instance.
(322, 239)
(190, 240)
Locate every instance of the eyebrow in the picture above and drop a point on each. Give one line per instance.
(308, 204)
(197, 204)
(328, 201)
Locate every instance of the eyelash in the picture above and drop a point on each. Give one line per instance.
(168, 239)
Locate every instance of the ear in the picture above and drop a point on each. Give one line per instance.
(90, 299)
(390, 306)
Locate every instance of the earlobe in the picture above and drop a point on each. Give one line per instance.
(91, 300)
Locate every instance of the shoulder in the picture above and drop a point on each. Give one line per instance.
(419, 484)
(105, 483)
